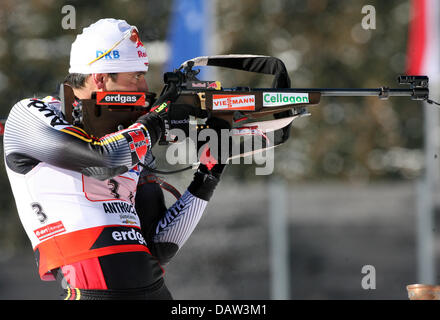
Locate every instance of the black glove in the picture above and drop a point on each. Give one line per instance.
(214, 159)
(157, 120)
(205, 181)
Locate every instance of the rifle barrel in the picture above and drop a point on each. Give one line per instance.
(415, 93)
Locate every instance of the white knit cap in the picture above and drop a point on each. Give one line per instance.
(108, 46)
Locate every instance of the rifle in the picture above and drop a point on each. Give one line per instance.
(244, 108)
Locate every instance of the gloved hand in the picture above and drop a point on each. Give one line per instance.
(204, 182)
(157, 120)
(212, 161)
(211, 155)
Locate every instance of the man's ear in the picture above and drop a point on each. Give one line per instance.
(99, 80)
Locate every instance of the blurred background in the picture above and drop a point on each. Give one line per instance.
(351, 188)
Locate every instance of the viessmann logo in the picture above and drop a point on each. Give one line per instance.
(120, 98)
(233, 102)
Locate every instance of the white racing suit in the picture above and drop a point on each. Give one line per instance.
(92, 220)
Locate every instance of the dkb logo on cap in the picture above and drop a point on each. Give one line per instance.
(111, 55)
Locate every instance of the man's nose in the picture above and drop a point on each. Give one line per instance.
(142, 86)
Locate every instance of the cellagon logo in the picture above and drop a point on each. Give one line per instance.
(276, 99)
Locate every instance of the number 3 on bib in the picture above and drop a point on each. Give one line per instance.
(42, 217)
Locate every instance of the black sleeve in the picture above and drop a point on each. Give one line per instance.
(167, 229)
(36, 132)
(151, 208)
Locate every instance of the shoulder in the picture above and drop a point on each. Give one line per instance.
(47, 103)
(47, 109)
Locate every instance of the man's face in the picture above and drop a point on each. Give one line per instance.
(127, 81)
